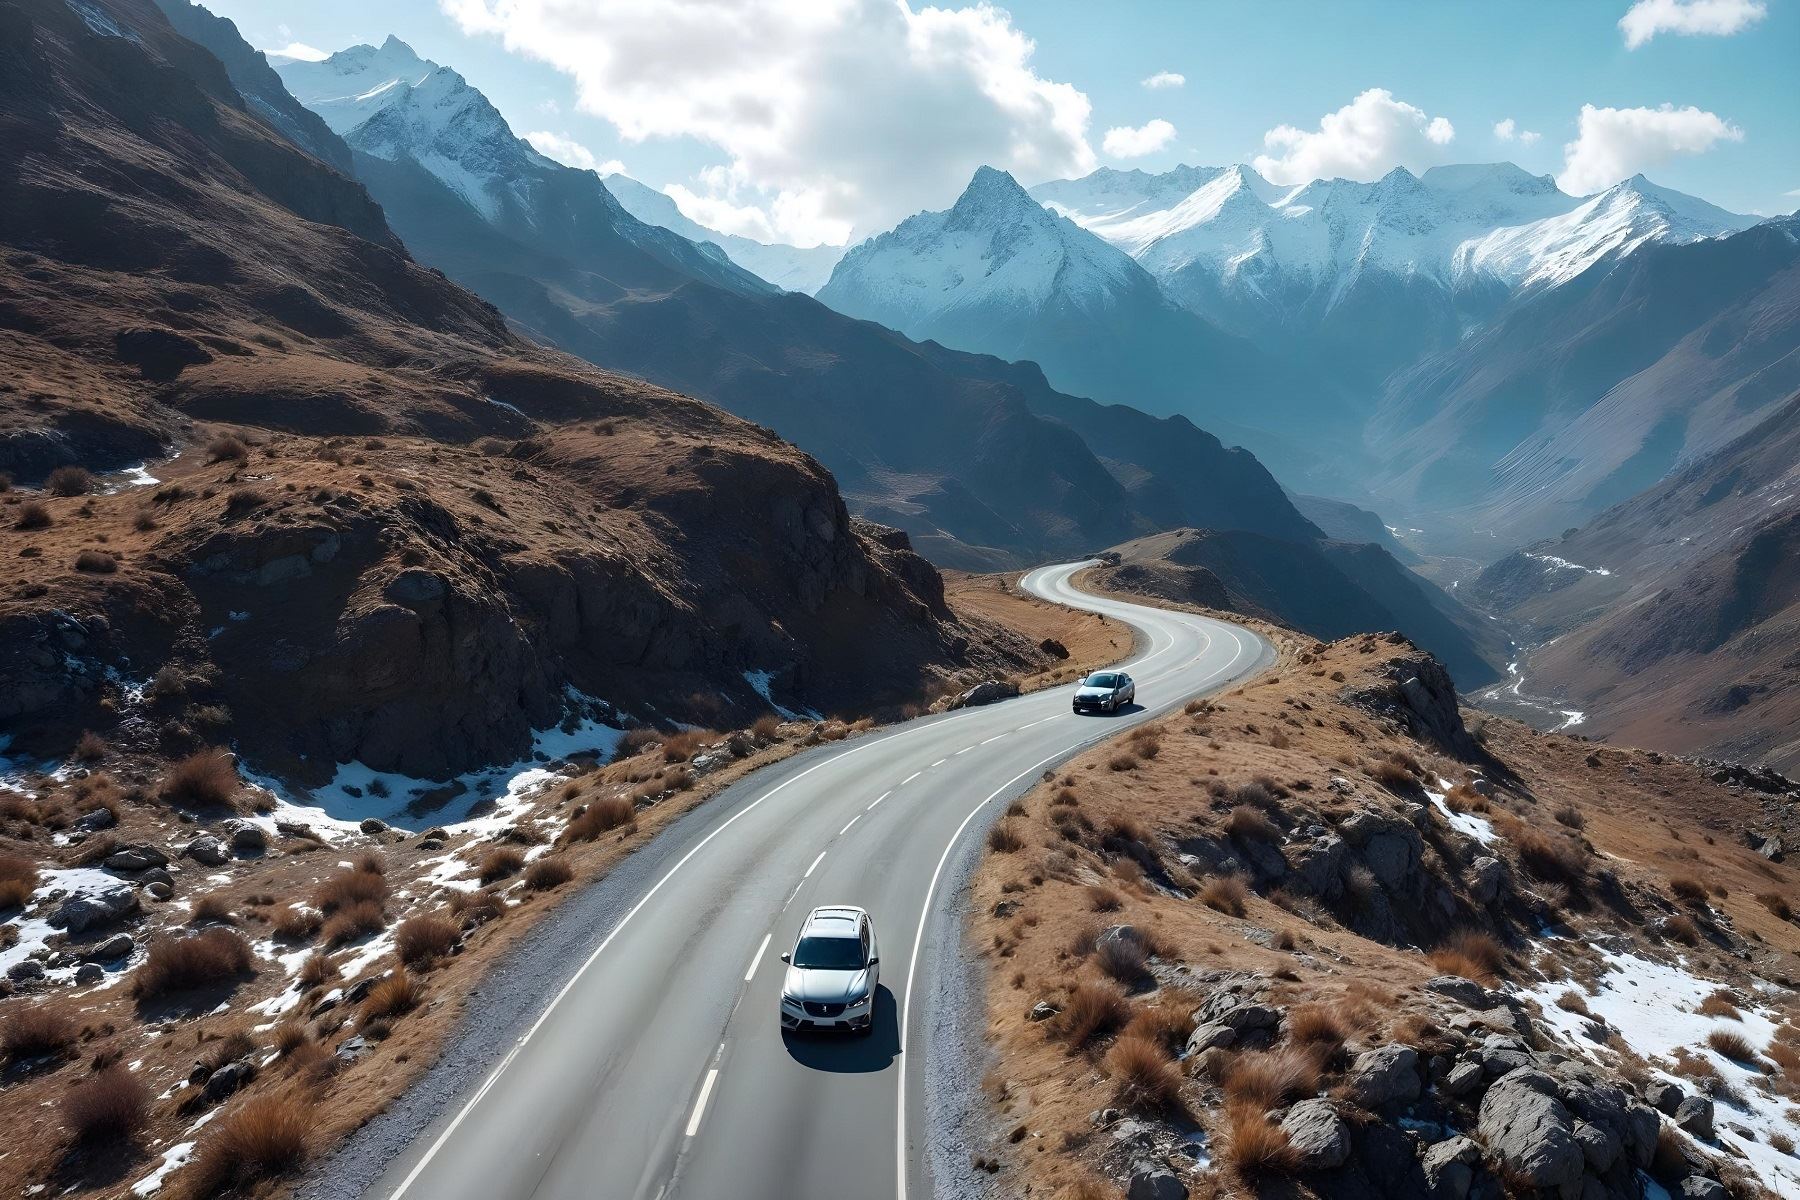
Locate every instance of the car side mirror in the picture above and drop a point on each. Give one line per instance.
(876, 961)
(786, 957)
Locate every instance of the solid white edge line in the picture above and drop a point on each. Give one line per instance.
(756, 959)
(693, 1125)
(815, 865)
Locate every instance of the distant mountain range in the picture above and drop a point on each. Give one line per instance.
(791, 268)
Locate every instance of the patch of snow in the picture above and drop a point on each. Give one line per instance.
(759, 682)
(100, 21)
(173, 1158)
(1467, 824)
(132, 477)
(502, 404)
(1553, 563)
(1654, 1007)
(33, 927)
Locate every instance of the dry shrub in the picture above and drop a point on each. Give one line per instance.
(1394, 777)
(350, 887)
(227, 448)
(96, 562)
(1781, 1143)
(1249, 824)
(1102, 899)
(502, 862)
(1127, 828)
(244, 500)
(1226, 893)
(204, 779)
(1464, 799)
(1777, 904)
(369, 863)
(1124, 958)
(353, 921)
(212, 909)
(425, 937)
(289, 1037)
(1167, 1024)
(90, 747)
(1256, 1147)
(1088, 1188)
(1004, 838)
(1569, 815)
(603, 814)
(69, 481)
(18, 879)
(1669, 1161)
(1690, 890)
(1573, 1001)
(766, 728)
(1317, 1026)
(296, 924)
(1268, 1079)
(394, 996)
(1147, 747)
(1733, 1045)
(205, 959)
(680, 747)
(36, 1030)
(1719, 1004)
(33, 514)
(110, 1105)
(265, 1137)
(1144, 1080)
(547, 873)
(476, 908)
(1551, 857)
(1681, 928)
(1123, 761)
(316, 970)
(1471, 954)
(1093, 1011)
(228, 1048)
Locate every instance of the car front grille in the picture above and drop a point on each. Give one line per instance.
(816, 1009)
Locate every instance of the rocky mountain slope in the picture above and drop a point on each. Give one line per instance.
(791, 268)
(955, 449)
(1321, 587)
(1319, 938)
(432, 532)
(1673, 619)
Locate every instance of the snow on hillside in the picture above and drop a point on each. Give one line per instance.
(791, 268)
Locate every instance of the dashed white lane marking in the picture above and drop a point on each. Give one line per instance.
(993, 739)
(910, 778)
(815, 865)
(853, 820)
(940, 762)
(756, 959)
(965, 750)
(878, 800)
(693, 1125)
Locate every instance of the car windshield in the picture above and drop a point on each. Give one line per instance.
(829, 954)
(1105, 679)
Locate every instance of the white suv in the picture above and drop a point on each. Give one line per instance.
(833, 971)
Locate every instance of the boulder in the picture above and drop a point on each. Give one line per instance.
(93, 822)
(1464, 991)
(1211, 1037)
(26, 970)
(247, 838)
(1487, 878)
(158, 890)
(351, 1049)
(1319, 867)
(117, 946)
(207, 850)
(1390, 847)
(1153, 1182)
(1319, 1136)
(373, 825)
(1699, 1187)
(1529, 1132)
(1695, 1114)
(1385, 1075)
(88, 974)
(1663, 1096)
(229, 1078)
(1449, 1167)
(1601, 1147)
(1463, 1078)
(1246, 1018)
(95, 909)
(1043, 1010)
(987, 692)
(133, 859)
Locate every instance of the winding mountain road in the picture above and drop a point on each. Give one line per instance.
(659, 1068)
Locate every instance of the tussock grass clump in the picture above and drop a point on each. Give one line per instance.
(289, 1037)
(32, 1031)
(766, 728)
(212, 909)
(1226, 894)
(96, 562)
(1681, 928)
(109, 1106)
(1167, 1024)
(1249, 824)
(1573, 1001)
(353, 921)
(600, 816)
(205, 959)
(1255, 1147)
(1733, 1045)
(425, 937)
(204, 779)
(1093, 1011)
(1102, 899)
(1551, 857)
(502, 862)
(296, 924)
(18, 879)
(1125, 760)
(394, 996)
(33, 514)
(1570, 816)
(316, 970)
(1777, 904)
(348, 887)
(1689, 890)
(69, 481)
(227, 448)
(1125, 959)
(1316, 1026)
(1720, 1004)
(1471, 954)
(265, 1137)
(89, 747)
(1266, 1079)
(547, 873)
(1004, 838)
(1394, 776)
(1144, 1080)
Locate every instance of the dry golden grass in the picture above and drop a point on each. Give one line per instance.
(316, 970)
(1004, 837)
(1572, 1001)
(1733, 1045)
(204, 779)
(394, 996)
(1719, 1004)
(227, 448)
(296, 924)
(1167, 1024)
(18, 879)
(69, 481)
(211, 909)
(34, 1030)
(1255, 1147)
(1249, 824)
(1102, 899)
(425, 937)
(32, 514)
(205, 959)
(1144, 1079)
(265, 1137)
(1226, 894)
(1317, 1026)
(1270, 1078)
(499, 863)
(1777, 904)
(1551, 857)
(1123, 958)
(111, 1105)
(1681, 928)
(1692, 891)
(1092, 1010)
(548, 873)
(603, 814)
(353, 921)
(289, 1037)
(1471, 954)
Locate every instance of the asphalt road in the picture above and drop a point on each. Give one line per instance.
(659, 1068)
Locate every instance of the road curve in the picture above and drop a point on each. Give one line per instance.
(659, 1068)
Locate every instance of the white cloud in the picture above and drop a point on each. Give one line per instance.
(1509, 131)
(1795, 192)
(830, 113)
(1125, 142)
(1718, 18)
(1616, 143)
(1363, 140)
(300, 51)
(570, 153)
(1166, 79)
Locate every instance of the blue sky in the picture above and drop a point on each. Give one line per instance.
(804, 120)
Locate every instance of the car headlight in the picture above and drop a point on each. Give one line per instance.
(860, 998)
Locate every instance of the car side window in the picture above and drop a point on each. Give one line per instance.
(865, 941)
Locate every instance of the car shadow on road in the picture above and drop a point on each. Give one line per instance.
(848, 1053)
(1124, 710)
